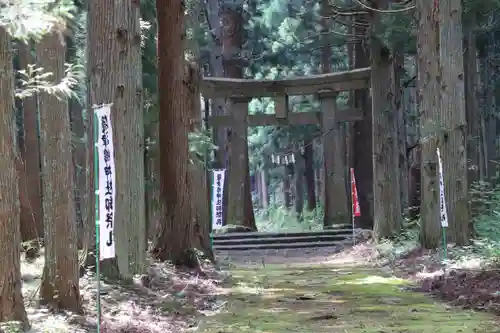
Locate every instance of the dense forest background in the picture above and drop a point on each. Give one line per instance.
(434, 84)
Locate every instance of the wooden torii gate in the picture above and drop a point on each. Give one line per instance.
(241, 91)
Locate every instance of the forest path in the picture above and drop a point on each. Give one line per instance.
(329, 298)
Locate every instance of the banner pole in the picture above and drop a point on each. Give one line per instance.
(208, 172)
(353, 231)
(354, 206)
(97, 231)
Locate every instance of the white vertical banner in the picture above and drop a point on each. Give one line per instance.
(442, 200)
(217, 198)
(106, 189)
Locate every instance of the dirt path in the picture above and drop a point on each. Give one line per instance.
(327, 298)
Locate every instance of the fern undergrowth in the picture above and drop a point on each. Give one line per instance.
(485, 242)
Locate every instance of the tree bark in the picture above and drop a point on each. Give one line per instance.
(217, 70)
(29, 186)
(60, 286)
(387, 213)
(88, 194)
(319, 174)
(481, 103)
(428, 104)
(363, 163)
(491, 75)
(402, 123)
(287, 191)
(335, 197)
(115, 72)
(174, 236)
(11, 297)
(79, 160)
(232, 43)
(309, 176)
(198, 189)
(153, 202)
(255, 179)
(473, 113)
(483, 112)
(264, 188)
(299, 185)
(453, 119)
(336, 202)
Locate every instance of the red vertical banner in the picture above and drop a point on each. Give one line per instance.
(356, 210)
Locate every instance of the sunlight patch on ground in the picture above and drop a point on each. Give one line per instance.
(376, 279)
(333, 299)
(42, 320)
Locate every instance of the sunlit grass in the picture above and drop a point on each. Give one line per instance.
(329, 299)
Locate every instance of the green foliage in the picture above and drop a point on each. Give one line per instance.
(26, 19)
(278, 218)
(406, 241)
(485, 206)
(399, 31)
(29, 20)
(11, 327)
(200, 146)
(485, 203)
(34, 80)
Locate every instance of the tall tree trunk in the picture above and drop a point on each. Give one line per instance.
(116, 77)
(336, 202)
(309, 176)
(413, 149)
(11, 297)
(77, 121)
(88, 194)
(299, 185)
(404, 168)
(29, 187)
(386, 191)
(287, 191)
(198, 191)
(153, 210)
(264, 188)
(476, 163)
(428, 104)
(473, 113)
(249, 220)
(255, 179)
(491, 124)
(453, 142)
(232, 43)
(154, 204)
(217, 70)
(363, 162)
(174, 237)
(320, 174)
(60, 287)
(484, 110)
(349, 127)
(79, 160)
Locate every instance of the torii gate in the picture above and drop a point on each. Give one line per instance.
(241, 91)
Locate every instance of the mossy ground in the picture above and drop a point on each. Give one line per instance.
(330, 299)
